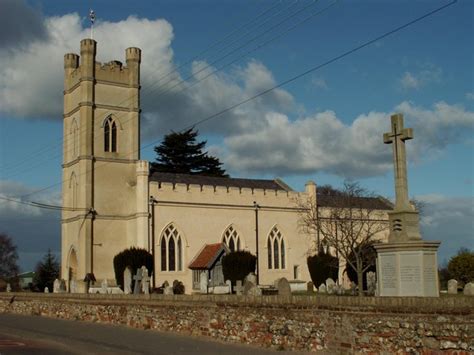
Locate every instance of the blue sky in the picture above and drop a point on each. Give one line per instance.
(326, 126)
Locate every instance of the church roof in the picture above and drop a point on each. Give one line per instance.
(374, 203)
(207, 256)
(276, 184)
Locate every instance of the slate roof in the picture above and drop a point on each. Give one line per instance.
(376, 203)
(207, 256)
(219, 181)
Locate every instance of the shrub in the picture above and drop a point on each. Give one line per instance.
(178, 287)
(237, 265)
(461, 266)
(134, 258)
(322, 266)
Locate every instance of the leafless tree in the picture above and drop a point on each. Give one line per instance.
(349, 223)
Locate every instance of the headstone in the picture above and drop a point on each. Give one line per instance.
(322, 288)
(168, 290)
(330, 286)
(452, 287)
(138, 282)
(145, 281)
(339, 290)
(253, 290)
(229, 285)
(62, 286)
(371, 283)
(353, 288)
(203, 282)
(251, 277)
(56, 286)
(469, 289)
(103, 286)
(247, 286)
(283, 287)
(239, 290)
(127, 281)
(72, 286)
(9, 287)
(46, 289)
(310, 286)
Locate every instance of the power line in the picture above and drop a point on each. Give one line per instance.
(306, 72)
(42, 205)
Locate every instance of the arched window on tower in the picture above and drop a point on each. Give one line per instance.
(74, 137)
(110, 135)
(73, 191)
(232, 239)
(171, 250)
(276, 250)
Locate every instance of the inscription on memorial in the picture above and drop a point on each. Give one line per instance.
(389, 272)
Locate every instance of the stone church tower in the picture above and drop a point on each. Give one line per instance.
(103, 179)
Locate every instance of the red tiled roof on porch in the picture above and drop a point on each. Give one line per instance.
(206, 256)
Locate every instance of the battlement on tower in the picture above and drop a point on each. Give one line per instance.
(85, 67)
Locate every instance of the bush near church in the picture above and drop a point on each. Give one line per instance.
(461, 266)
(238, 264)
(134, 258)
(322, 266)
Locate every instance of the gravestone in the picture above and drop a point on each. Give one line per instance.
(310, 286)
(46, 289)
(330, 286)
(103, 286)
(322, 288)
(56, 286)
(62, 286)
(168, 290)
(138, 282)
(247, 286)
(253, 290)
(127, 281)
(145, 281)
(9, 288)
(406, 265)
(203, 282)
(469, 289)
(371, 283)
(283, 287)
(72, 286)
(339, 290)
(251, 277)
(452, 287)
(239, 290)
(353, 288)
(229, 285)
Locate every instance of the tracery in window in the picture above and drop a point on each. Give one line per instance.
(232, 239)
(171, 250)
(276, 250)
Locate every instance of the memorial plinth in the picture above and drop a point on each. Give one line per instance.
(406, 265)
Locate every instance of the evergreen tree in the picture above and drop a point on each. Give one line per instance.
(46, 272)
(180, 153)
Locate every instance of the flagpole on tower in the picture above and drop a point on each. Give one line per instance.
(92, 18)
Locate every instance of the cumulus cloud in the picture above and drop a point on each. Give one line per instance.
(33, 230)
(19, 24)
(324, 143)
(431, 74)
(449, 220)
(319, 83)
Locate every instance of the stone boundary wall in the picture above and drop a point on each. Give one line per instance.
(310, 323)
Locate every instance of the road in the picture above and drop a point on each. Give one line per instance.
(40, 335)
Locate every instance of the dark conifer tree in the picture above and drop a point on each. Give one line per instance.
(180, 153)
(46, 272)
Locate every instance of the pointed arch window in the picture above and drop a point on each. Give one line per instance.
(171, 250)
(73, 190)
(110, 135)
(74, 134)
(276, 250)
(232, 239)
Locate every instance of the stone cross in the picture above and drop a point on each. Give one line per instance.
(138, 282)
(397, 137)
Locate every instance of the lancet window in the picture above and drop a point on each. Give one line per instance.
(110, 135)
(171, 250)
(276, 250)
(74, 137)
(232, 239)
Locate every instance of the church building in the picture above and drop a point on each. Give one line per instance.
(112, 202)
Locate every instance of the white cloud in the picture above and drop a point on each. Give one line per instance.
(319, 83)
(430, 74)
(324, 143)
(470, 95)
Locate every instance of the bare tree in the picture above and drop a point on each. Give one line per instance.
(8, 258)
(348, 222)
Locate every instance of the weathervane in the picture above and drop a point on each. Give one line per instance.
(92, 18)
